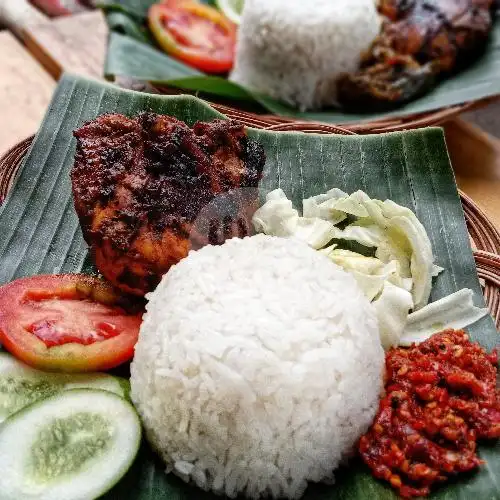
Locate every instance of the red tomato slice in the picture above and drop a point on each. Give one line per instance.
(174, 3)
(69, 323)
(197, 34)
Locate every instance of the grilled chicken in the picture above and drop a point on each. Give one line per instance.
(140, 185)
(421, 41)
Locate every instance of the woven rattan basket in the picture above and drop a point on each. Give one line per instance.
(407, 122)
(484, 236)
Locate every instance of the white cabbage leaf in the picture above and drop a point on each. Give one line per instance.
(454, 311)
(394, 230)
(368, 236)
(437, 270)
(352, 261)
(321, 206)
(396, 280)
(315, 232)
(403, 239)
(368, 271)
(383, 285)
(392, 308)
(277, 217)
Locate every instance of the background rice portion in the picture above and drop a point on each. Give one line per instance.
(295, 50)
(258, 367)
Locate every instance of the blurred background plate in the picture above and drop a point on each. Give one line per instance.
(133, 53)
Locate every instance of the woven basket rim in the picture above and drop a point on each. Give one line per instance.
(390, 124)
(484, 235)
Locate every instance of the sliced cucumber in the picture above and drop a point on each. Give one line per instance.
(75, 445)
(21, 385)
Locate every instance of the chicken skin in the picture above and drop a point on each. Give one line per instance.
(140, 184)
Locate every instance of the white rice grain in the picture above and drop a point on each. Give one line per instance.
(295, 50)
(266, 379)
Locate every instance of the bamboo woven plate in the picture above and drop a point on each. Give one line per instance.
(392, 124)
(484, 235)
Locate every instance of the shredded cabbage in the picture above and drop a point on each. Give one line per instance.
(276, 217)
(397, 279)
(368, 236)
(392, 308)
(454, 311)
(384, 287)
(368, 271)
(400, 236)
(321, 206)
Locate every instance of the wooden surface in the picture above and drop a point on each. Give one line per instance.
(25, 91)
(475, 156)
(14, 14)
(75, 44)
(28, 73)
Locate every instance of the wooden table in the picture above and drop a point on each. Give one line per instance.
(29, 69)
(25, 91)
(31, 64)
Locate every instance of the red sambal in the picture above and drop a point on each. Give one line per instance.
(441, 397)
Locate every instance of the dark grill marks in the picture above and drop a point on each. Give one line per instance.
(140, 183)
(420, 42)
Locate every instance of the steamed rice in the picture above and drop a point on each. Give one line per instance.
(295, 50)
(258, 367)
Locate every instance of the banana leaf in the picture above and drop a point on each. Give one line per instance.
(130, 55)
(40, 233)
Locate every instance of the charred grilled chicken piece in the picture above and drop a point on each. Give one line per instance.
(139, 185)
(420, 41)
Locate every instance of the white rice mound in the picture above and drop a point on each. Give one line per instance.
(258, 367)
(295, 50)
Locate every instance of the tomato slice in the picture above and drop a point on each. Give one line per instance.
(175, 3)
(195, 33)
(69, 323)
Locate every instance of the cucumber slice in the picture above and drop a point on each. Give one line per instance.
(75, 445)
(21, 385)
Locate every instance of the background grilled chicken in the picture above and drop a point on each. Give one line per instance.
(139, 185)
(421, 41)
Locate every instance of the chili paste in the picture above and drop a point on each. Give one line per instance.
(441, 397)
